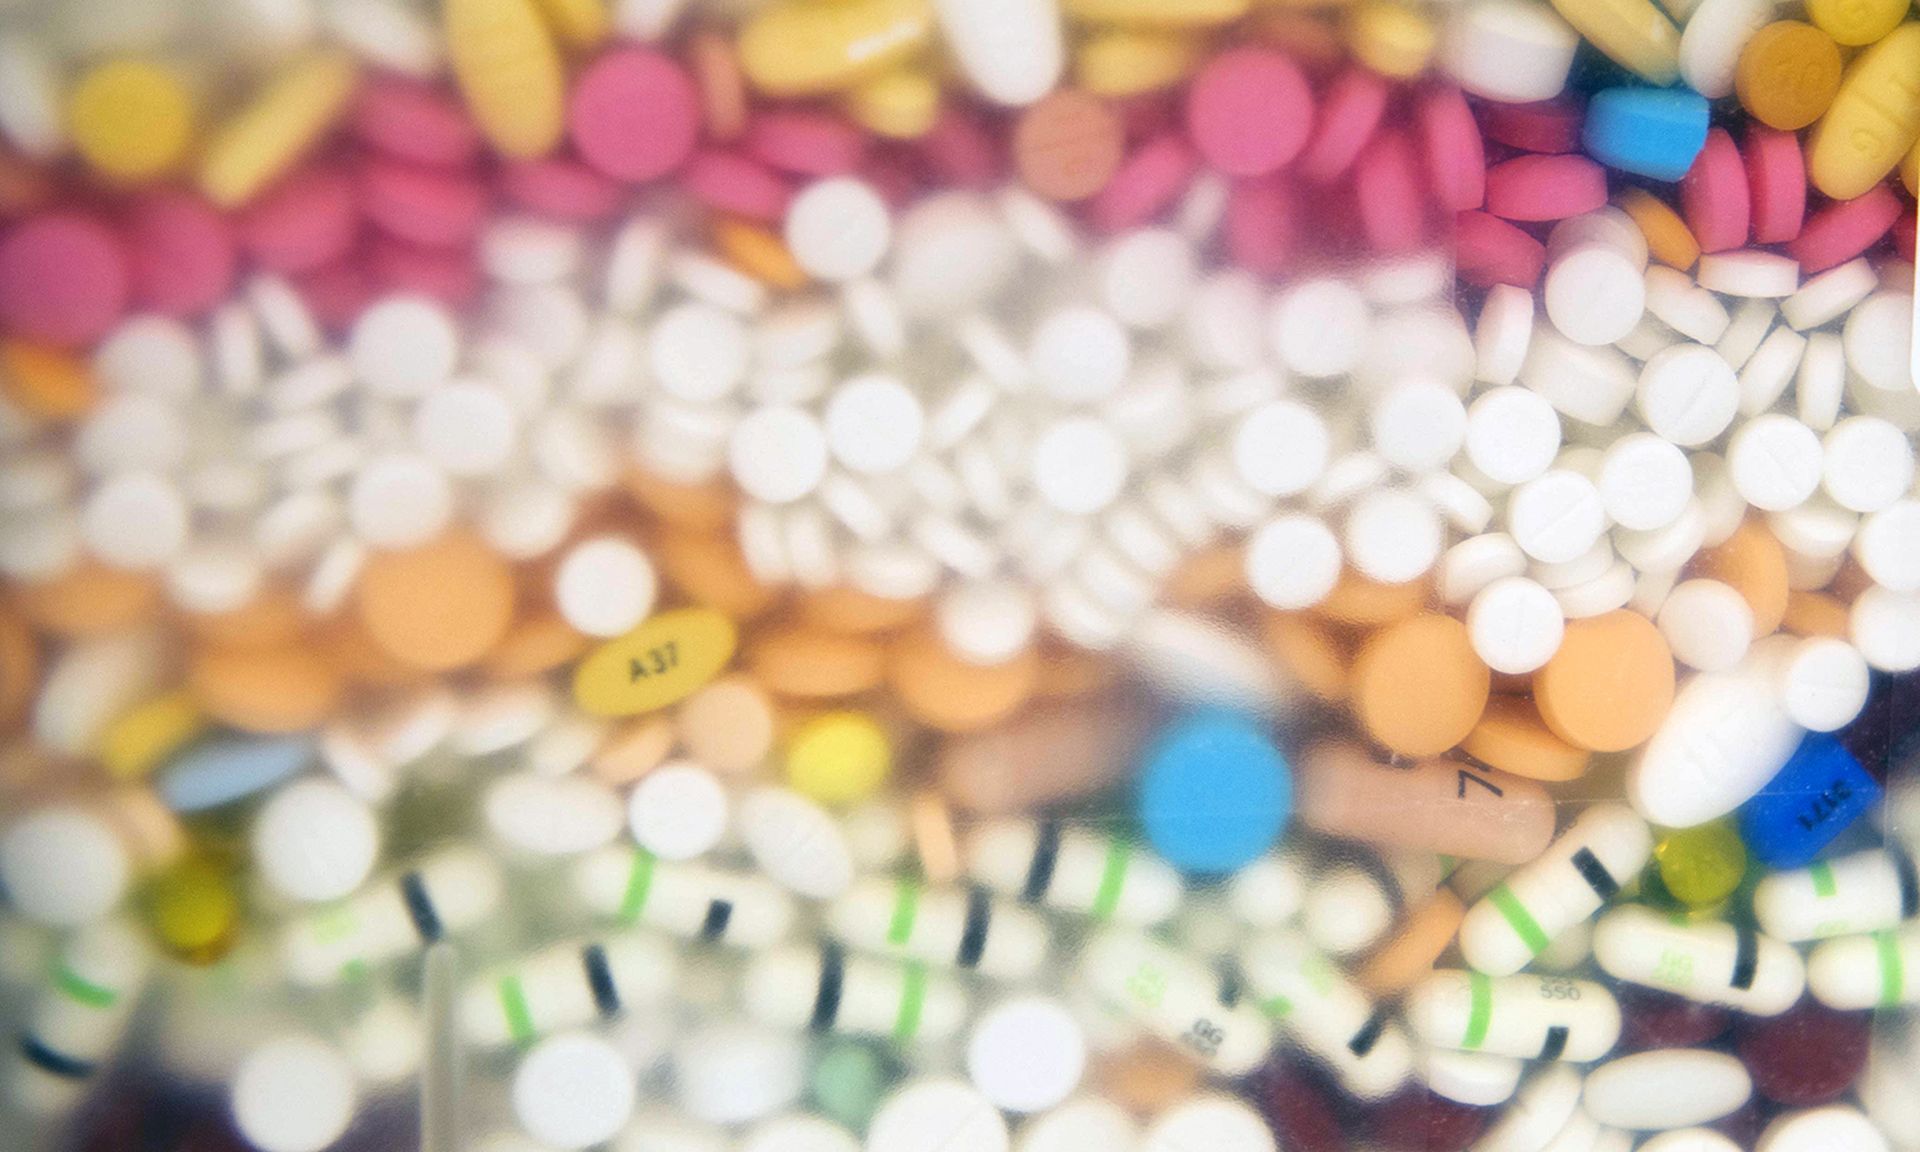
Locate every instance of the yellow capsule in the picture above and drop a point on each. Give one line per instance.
(135, 743)
(193, 910)
(806, 48)
(1855, 23)
(1392, 39)
(509, 70)
(1634, 33)
(1873, 122)
(579, 23)
(1159, 13)
(901, 104)
(131, 120)
(1123, 63)
(839, 757)
(270, 134)
(661, 662)
(1702, 865)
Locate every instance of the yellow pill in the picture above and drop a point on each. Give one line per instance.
(193, 910)
(509, 70)
(1161, 13)
(1393, 40)
(1874, 121)
(580, 23)
(659, 663)
(1910, 171)
(271, 133)
(1701, 866)
(805, 48)
(1123, 63)
(133, 745)
(1856, 22)
(839, 757)
(131, 120)
(1634, 33)
(901, 104)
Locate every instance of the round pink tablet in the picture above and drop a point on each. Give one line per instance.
(959, 150)
(1845, 229)
(1489, 250)
(1548, 126)
(729, 182)
(892, 174)
(1776, 184)
(183, 253)
(1249, 111)
(448, 274)
(1349, 112)
(1386, 182)
(430, 206)
(63, 278)
(1456, 156)
(409, 120)
(634, 114)
(561, 189)
(1146, 182)
(1714, 196)
(804, 141)
(305, 221)
(1260, 224)
(1545, 187)
(337, 293)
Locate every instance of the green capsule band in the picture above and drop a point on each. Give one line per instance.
(1276, 1007)
(913, 997)
(1821, 873)
(1519, 919)
(513, 1002)
(1112, 878)
(639, 883)
(1893, 971)
(1479, 1011)
(80, 990)
(906, 906)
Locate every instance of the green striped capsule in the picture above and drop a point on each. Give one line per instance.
(829, 992)
(964, 928)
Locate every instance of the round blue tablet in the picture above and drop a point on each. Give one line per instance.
(1214, 792)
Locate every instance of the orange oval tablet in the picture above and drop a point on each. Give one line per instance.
(1068, 672)
(1406, 958)
(1788, 74)
(811, 663)
(1755, 564)
(442, 605)
(274, 690)
(534, 644)
(1317, 657)
(1149, 1077)
(759, 252)
(274, 616)
(634, 750)
(1609, 685)
(845, 609)
(728, 725)
(723, 90)
(1359, 601)
(934, 842)
(943, 691)
(1669, 240)
(709, 570)
(1512, 737)
(1418, 686)
(1815, 614)
(1439, 806)
(19, 668)
(46, 382)
(702, 507)
(1068, 145)
(88, 599)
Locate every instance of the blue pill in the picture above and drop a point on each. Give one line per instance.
(1812, 799)
(1652, 132)
(1214, 792)
(225, 769)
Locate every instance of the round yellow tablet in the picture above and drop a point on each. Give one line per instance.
(839, 758)
(131, 120)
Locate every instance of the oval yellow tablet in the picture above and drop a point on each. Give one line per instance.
(1856, 22)
(136, 742)
(1633, 33)
(509, 71)
(1163, 13)
(1392, 39)
(277, 127)
(900, 104)
(803, 48)
(1122, 62)
(659, 663)
(839, 757)
(581, 23)
(131, 120)
(1873, 122)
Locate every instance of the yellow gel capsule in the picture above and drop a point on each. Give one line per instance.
(1161, 13)
(1701, 866)
(1391, 39)
(134, 744)
(1634, 33)
(1121, 63)
(805, 48)
(839, 757)
(580, 23)
(509, 71)
(662, 661)
(131, 120)
(193, 910)
(271, 133)
(1855, 23)
(902, 104)
(1873, 122)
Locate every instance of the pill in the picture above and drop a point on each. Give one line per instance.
(1311, 1000)
(1509, 50)
(1416, 713)
(1713, 40)
(293, 1093)
(1606, 846)
(567, 986)
(1708, 961)
(1534, 1017)
(1819, 1127)
(1491, 815)
(1856, 972)
(1067, 145)
(276, 128)
(1666, 1088)
(1071, 869)
(1788, 74)
(1166, 991)
(444, 894)
(1874, 118)
(1249, 111)
(131, 120)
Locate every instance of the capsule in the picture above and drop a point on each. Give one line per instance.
(1525, 1016)
(1876, 971)
(78, 1019)
(1604, 849)
(444, 895)
(1309, 998)
(1268, 892)
(692, 901)
(1710, 961)
(952, 927)
(1354, 897)
(1178, 999)
(828, 992)
(1865, 892)
(1051, 865)
(566, 987)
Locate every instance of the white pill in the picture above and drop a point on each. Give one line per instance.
(1687, 394)
(1692, 311)
(1775, 462)
(293, 1094)
(937, 1114)
(1081, 1123)
(1708, 624)
(132, 430)
(1515, 625)
(1477, 562)
(793, 1132)
(1472, 1078)
(1281, 448)
(467, 427)
(1830, 295)
(838, 229)
(1749, 325)
(1867, 464)
(1766, 374)
(1418, 425)
(874, 424)
(215, 576)
(1146, 277)
(1079, 464)
(796, 843)
(678, 811)
(1556, 516)
(1293, 561)
(1429, 341)
(1827, 1129)
(1749, 273)
(1222, 325)
(1822, 681)
(1666, 1088)
(778, 454)
(605, 586)
(290, 328)
(1011, 50)
(573, 1091)
(952, 251)
(1885, 626)
(1079, 354)
(1319, 327)
(987, 621)
(733, 1073)
(1513, 51)
(1502, 334)
(1512, 434)
(63, 866)
(315, 841)
(1821, 382)
(135, 520)
(550, 816)
(30, 104)
(1591, 385)
(1879, 340)
(1393, 536)
(698, 352)
(1612, 588)
(1712, 39)
(526, 517)
(1888, 546)
(1609, 226)
(398, 500)
(1645, 482)
(1026, 1054)
(402, 346)
(1595, 293)
(1212, 1121)
(529, 250)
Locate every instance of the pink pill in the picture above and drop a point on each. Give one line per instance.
(634, 114)
(1349, 112)
(1776, 184)
(1489, 250)
(305, 221)
(1845, 229)
(729, 182)
(1714, 196)
(805, 142)
(1903, 234)
(561, 189)
(429, 206)
(63, 279)
(1259, 226)
(959, 150)
(337, 293)
(1548, 126)
(182, 252)
(1545, 187)
(409, 120)
(1146, 183)
(891, 173)
(1456, 156)
(448, 274)
(1386, 182)
(1147, 115)
(1249, 111)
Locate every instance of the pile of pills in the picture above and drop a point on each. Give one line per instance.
(959, 575)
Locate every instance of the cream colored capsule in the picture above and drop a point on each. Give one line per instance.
(1526, 1016)
(1312, 1001)
(1864, 892)
(692, 901)
(951, 927)
(1881, 970)
(1177, 998)
(1068, 869)
(1710, 961)
(1603, 851)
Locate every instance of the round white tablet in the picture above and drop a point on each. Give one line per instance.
(1417, 425)
(1827, 1129)
(874, 423)
(605, 586)
(467, 427)
(573, 1090)
(402, 346)
(1079, 464)
(1708, 624)
(1281, 448)
(1027, 1054)
(698, 352)
(778, 453)
(1594, 293)
(796, 1132)
(1556, 516)
(1867, 465)
(1079, 353)
(1392, 536)
(1515, 625)
(838, 229)
(398, 500)
(1885, 626)
(1888, 545)
(678, 811)
(1081, 1123)
(987, 621)
(135, 520)
(1775, 462)
(314, 841)
(1211, 1122)
(937, 1114)
(215, 576)
(1477, 562)
(1878, 338)
(132, 430)
(796, 842)
(1687, 394)
(1293, 561)
(1319, 327)
(529, 250)
(1502, 334)
(62, 865)
(1146, 277)
(1512, 434)
(733, 1073)
(293, 1094)
(1645, 482)
(1823, 682)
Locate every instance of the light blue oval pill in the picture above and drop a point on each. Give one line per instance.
(225, 769)
(1653, 132)
(1214, 792)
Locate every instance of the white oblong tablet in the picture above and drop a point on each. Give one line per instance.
(136, 520)
(937, 1114)
(1393, 536)
(1595, 293)
(1081, 1123)
(1708, 624)
(573, 1091)
(293, 1094)
(1515, 625)
(874, 424)
(1512, 434)
(1645, 482)
(1775, 461)
(678, 811)
(778, 454)
(1027, 1054)
(1213, 1121)
(315, 841)
(796, 843)
(1827, 1129)
(1477, 1079)
(838, 229)
(1556, 516)
(1418, 425)
(1666, 1088)
(1687, 394)
(553, 815)
(1293, 561)
(795, 1132)
(1319, 327)
(1079, 464)
(1079, 354)
(1477, 562)
(1867, 464)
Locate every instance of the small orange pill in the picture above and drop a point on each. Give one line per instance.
(284, 689)
(1208, 577)
(1512, 737)
(1068, 672)
(1788, 74)
(709, 570)
(759, 253)
(1669, 240)
(1755, 564)
(1815, 614)
(723, 90)
(1316, 656)
(633, 751)
(1358, 601)
(702, 507)
(274, 616)
(535, 644)
(845, 609)
(88, 599)
(814, 664)
(943, 691)
(439, 606)
(1404, 960)
(19, 669)
(1147, 1078)
(361, 659)
(1068, 145)
(728, 725)
(49, 383)
(1609, 685)
(1418, 686)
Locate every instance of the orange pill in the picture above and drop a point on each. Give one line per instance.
(1669, 240)
(710, 571)
(1788, 74)
(1815, 614)
(811, 663)
(88, 599)
(1148, 1078)
(728, 725)
(1418, 686)
(1512, 737)
(362, 660)
(439, 606)
(943, 691)
(1752, 561)
(845, 609)
(19, 669)
(1609, 685)
(1068, 672)
(1208, 577)
(934, 842)
(1440, 806)
(535, 644)
(723, 90)
(702, 507)
(1316, 656)
(1361, 602)
(274, 616)
(283, 689)
(1068, 145)
(634, 750)
(758, 252)
(48, 383)
(1406, 958)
